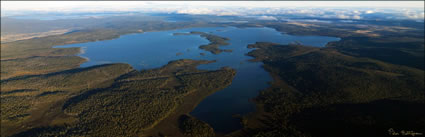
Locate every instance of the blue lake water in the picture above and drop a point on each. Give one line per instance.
(155, 49)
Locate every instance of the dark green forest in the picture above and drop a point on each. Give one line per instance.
(318, 89)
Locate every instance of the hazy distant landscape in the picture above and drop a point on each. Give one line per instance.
(200, 69)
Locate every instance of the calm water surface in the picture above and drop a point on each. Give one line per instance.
(155, 49)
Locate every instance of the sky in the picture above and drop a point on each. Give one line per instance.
(346, 9)
(136, 5)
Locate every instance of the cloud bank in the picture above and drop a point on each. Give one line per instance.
(263, 10)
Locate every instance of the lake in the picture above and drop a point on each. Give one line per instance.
(155, 49)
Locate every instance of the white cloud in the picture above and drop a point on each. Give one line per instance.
(267, 18)
(369, 12)
(135, 5)
(357, 17)
(263, 10)
(206, 11)
(343, 17)
(195, 11)
(414, 15)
